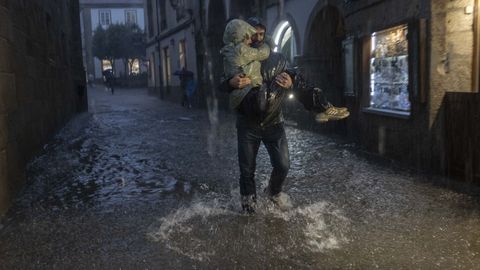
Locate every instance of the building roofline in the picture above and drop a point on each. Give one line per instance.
(111, 3)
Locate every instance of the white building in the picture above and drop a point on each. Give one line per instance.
(171, 44)
(106, 13)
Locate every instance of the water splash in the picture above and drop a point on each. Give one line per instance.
(320, 219)
(179, 219)
(177, 230)
(195, 231)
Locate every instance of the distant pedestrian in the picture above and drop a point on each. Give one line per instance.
(90, 79)
(188, 85)
(109, 79)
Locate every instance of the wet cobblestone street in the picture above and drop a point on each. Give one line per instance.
(139, 183)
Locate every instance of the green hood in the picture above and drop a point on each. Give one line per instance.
(236, 30)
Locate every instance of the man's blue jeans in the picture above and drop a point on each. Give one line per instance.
(275, 141)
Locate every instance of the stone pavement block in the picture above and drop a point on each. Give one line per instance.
(8, 97)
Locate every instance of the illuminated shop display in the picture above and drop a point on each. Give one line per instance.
(389, 70)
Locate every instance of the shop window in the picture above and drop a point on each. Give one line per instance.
(106, 65)
(135, 66)
(389, 71)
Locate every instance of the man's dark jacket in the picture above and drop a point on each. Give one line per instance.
(250, 114)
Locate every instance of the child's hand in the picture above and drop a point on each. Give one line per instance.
(239, 81)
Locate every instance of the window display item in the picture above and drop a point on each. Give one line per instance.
(389, 70)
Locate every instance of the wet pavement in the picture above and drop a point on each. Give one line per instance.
(138, 183)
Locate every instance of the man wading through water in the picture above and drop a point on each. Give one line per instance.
(267, 127)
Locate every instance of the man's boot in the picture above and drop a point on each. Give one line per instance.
(281, 200)
(249, 203)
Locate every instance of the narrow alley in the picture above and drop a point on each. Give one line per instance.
(139, 183)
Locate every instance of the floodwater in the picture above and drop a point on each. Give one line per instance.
(138, 183)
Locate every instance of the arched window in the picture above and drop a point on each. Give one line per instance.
(284, 39)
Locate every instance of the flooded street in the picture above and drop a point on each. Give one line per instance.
(138, 183)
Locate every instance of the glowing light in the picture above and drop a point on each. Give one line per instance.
(373, 43)
(287, 36)
(279, 32)
(291, 96)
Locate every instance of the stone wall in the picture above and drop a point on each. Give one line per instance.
(42, 81)
(450, 65)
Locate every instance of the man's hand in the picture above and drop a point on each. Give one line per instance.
(239, 81)
(284, 80)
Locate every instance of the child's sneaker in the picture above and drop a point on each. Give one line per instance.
(332, 113)
(341, 109)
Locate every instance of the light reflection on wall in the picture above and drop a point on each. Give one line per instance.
(284, 39)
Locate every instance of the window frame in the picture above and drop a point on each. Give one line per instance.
(411, 70)
(103, 20)
(131, 11)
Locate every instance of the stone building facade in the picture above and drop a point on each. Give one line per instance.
(42, 82)
(394, 64)
(171, 44)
